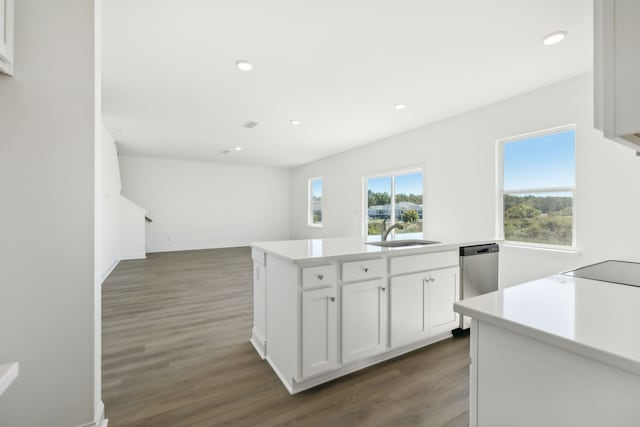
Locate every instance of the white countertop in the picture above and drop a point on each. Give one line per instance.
(596, 319)
(8, 373)
(302, 250)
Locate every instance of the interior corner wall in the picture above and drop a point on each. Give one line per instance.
(108, 205)
(459, 160)
(47, 163)
(198, 205)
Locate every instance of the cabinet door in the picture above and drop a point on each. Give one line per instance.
(442, 292)
(408, 309)
(259, 305)
(319, 331)
(364, 319)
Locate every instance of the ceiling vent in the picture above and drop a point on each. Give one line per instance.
(250, 125)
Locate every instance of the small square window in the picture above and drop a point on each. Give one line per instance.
(394, 199)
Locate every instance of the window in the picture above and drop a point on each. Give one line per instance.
(315, 202)
(396, 197)
(537, 188)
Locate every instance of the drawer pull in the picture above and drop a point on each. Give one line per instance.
(332, 299)
(320, 276)
(383, 289)
(365, 269)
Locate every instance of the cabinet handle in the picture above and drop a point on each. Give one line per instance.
(383, 289)
(366, 269)
(320, 276)
(332, 299)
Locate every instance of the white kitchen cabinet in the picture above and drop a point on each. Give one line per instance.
(319, 331)
(259, 307)
(441, 294)
(422, 305)
(6, 36)
(259, 330)
(364, 319)
(408, 309)
(319, 318)
(321, 275)
(363, 270)
(616, 70)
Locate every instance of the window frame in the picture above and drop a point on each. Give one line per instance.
(500, 193)
(310, 222)
(365, 199)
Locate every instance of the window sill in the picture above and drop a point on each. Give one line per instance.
(569, 251)
(314, 225)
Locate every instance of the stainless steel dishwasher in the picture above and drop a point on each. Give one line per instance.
(478, 273)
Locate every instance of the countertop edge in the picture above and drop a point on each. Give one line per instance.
(409, 250)
(578, 348)
(8, 374)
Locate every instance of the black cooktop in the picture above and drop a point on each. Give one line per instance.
(620, 272)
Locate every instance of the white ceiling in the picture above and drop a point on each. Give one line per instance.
(339, 66)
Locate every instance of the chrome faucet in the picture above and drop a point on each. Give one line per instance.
(384, 231)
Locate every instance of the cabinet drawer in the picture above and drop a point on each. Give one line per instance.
(318, 276)
(421, 262)
(363, 270)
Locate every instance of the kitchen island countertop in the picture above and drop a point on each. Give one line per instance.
(592, 318)
(316, 249)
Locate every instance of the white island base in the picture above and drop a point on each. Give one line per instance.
(520, 381)
(559, 351)
(325, 308)
(296, 386)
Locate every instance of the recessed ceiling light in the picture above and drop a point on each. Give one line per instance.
(553, 38)
(295, 122)
(244, 65)
(400, 106)
(238, 148)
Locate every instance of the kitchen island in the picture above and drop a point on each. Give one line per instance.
(327, 307)
(559, 351)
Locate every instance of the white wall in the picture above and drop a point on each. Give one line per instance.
(132, 230)
(197, 205)
(458, 157)
(47, 149)
(109, 205)
(120, 225)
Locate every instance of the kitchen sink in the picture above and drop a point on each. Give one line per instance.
(402, 243)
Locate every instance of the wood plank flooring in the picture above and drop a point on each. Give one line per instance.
(176, 352)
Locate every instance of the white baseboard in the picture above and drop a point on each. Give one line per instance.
(288, 384)
(199, 247)
(99, 419)
(131, 256)
(294, 386)
(109, 270)
(259, 344)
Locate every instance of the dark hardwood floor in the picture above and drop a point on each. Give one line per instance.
(176, 352)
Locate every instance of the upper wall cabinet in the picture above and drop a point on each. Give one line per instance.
(6, 36)
(617, 70)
